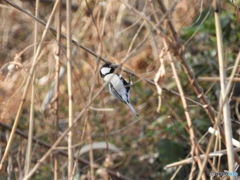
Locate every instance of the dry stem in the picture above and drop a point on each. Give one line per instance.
(70, 86)
(98, 56)
(63, 153)
(67, 130)
(56, 96)
(26, 89)
(226, 112)
(220, 113)
(31, 122)
(194, 149)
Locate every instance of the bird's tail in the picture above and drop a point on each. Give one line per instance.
(130, 106)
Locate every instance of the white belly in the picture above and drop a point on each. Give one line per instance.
(117, 84)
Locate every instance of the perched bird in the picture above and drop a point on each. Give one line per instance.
(117, 86)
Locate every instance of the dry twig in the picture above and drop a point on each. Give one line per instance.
(70, 86)
(26, 89)
(31, 121)
(56, 89)
(63, 153)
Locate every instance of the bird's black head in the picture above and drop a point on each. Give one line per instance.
(106, 69)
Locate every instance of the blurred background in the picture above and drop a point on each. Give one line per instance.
(139, 147)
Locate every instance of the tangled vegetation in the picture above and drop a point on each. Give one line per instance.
(157, 41)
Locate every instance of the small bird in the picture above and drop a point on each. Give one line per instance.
(117, 86)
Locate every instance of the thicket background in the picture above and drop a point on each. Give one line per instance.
(143, 145)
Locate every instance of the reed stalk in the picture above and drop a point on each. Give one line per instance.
(226, 110)
(31, 121)
(19, 112)
(56, 90)
(70, 86)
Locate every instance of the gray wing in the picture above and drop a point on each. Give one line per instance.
(115, 93)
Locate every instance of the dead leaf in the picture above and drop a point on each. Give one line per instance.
(159, 79)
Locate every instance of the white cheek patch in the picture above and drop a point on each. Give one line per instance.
(105, 70)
